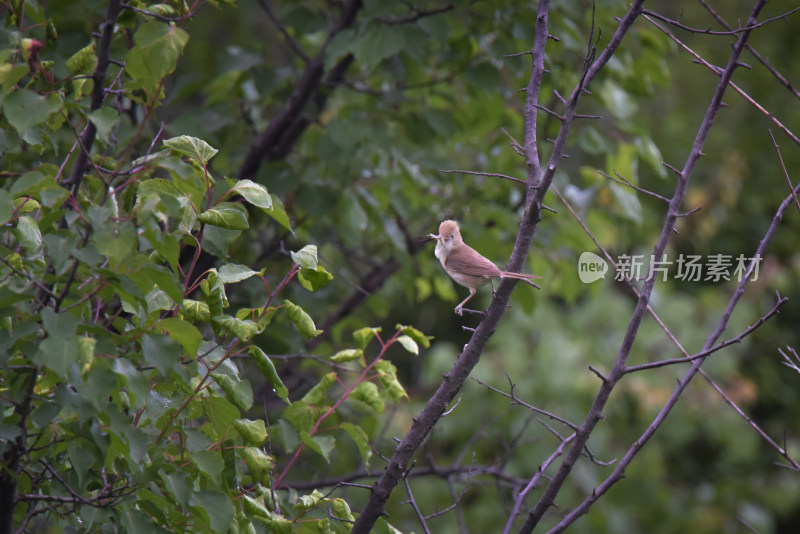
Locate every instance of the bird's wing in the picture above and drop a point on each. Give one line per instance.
(466, 260)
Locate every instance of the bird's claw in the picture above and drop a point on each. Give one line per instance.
(459, 311)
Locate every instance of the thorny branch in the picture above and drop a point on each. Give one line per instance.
(538, 182)
(595, 413)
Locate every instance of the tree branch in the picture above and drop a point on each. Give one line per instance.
(285, 128)
(87, 137)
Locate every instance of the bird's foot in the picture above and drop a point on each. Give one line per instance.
(459, 310)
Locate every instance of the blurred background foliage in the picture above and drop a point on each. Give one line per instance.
(437, 86)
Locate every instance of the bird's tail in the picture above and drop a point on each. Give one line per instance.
(529, 278)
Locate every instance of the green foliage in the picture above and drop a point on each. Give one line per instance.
(123, 350)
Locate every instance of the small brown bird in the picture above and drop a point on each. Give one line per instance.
(465, 265)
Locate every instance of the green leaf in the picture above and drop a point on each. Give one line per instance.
(230, 215)
(278, 213)
(158, 186)
(104, 120)
(409, 344)
(59, 325)
(314, 279)
(220, 413)
(234, 272)
(381, 41)
(359, 436)
(214, 290)
(628, 202)
(302, 417)
(261, 317)
(367, 392)
(303, 322)
(323, 445)
(177, 484)
(194, 148)
(6, 206)
(306, 257)
(255, 508)
(258, 463)
(161, 352)
(387, 376)
(319, 393)
(115, 241)
(415, 334)
(347, 355)
(255, 194)
(29, 235)
(24, 108)
(307, 502)
(58, 354)
(267, 368)
(238, 392)
(184, 333)
(209, 463)
(364, 335)
(253, 432)
(83, 61)
(194, 310)
(242, 329)
(158, 47)
(218, 506)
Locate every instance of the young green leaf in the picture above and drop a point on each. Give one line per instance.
(416, 335)
(367, 392)
(303, 322)
(364, 335)
(253, 432)
(347, 355)
(239, 392)
(158, 47)
(306, 257)
(318, 394)
(83, 61)
(314, 279)
(29, 235)
(267, 368)
(194, 148)
(409, 344)
(323, 445)
(359, 436)
(183, 332)
(233, 272)
(258, 463)
(255, 194)
(230, 215)
(387, 376)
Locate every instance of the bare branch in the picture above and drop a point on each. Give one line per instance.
(718, 72)
(490, 174)
(623, 181)
(738, 339)
(783, 168)
(778, 76)
(618, 369)
(729, 31)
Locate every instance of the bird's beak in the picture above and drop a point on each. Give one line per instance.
(434, 236)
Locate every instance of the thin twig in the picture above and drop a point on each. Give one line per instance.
(477, 173)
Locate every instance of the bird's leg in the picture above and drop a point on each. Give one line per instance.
(459, 309)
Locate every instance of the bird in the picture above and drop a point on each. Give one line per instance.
(465, 265)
